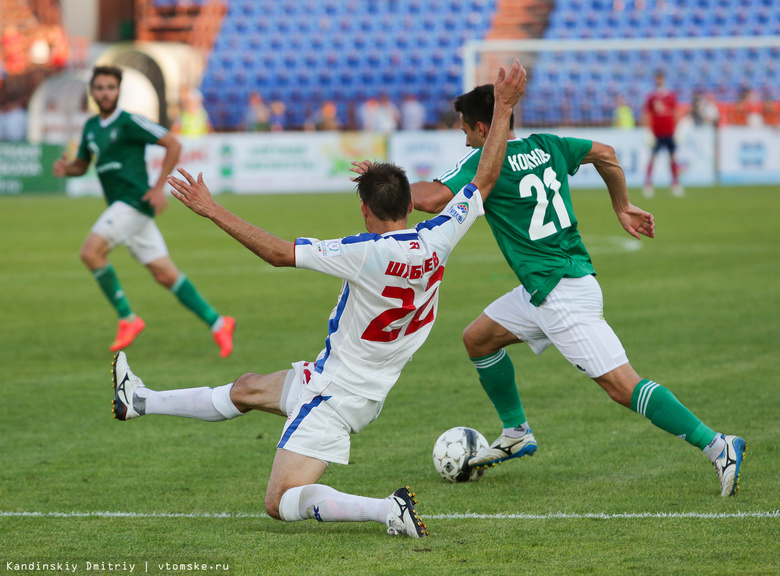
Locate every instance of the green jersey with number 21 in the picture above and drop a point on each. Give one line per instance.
(530, 210)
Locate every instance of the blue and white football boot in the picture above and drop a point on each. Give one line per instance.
(728, 464)
(504, 448)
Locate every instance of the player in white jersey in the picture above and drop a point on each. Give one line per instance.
(385, 310)
(389, 296)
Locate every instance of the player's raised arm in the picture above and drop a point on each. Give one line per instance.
(196, 196)
(506, 91)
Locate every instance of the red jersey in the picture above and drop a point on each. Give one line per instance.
(661, 107)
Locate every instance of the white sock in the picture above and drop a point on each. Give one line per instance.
(323, 503)
(716, 447)
(518, 432)
(217, 326)
(220, 397)
(194, 403)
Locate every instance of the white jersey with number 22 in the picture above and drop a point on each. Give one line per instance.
(389, 298)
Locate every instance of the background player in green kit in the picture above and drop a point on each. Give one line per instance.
(117, 140)
(559, 301)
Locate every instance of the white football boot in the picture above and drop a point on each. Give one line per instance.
(403, 519)
(126, 403)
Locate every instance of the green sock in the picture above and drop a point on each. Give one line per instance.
(663, 409)
(109, 284)
(497, 376)
(187, 294)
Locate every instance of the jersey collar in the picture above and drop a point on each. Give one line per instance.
(401, 235)
(114, 115)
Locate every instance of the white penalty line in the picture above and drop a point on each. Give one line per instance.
(466, 516)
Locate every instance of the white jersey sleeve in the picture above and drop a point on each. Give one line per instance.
(457, 217)
(389, 298)
(340, 257)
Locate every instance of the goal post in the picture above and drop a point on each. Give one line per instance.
(576, 82)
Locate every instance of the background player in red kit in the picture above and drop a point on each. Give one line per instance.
(661, 116)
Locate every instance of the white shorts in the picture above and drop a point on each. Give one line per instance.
(571, 318)
(321, 415)
(120, 224)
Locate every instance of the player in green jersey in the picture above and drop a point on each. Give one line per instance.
(117, 141)
(559, 301)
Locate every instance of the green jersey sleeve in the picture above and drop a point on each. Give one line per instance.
(573, 150)
(463, 173)
(143, 130)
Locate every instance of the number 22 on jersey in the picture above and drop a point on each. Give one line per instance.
(379, 329)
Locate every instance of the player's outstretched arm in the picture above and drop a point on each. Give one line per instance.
(508, 88)
(634, 220)
(195, 195)
(430, 197)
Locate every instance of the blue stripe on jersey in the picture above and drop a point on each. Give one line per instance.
(305, 409)
(333, 325)
(433, 222)
(364, 237)
(469, 189)
(404, 237)
(302, 242)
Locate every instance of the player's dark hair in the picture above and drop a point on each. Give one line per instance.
(477, 106)
(385, 189)
(106, 71)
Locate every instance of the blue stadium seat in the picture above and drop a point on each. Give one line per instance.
(360, 47)
(377, 45)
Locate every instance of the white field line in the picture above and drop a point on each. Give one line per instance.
(468, 515)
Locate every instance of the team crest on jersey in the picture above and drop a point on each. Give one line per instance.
(459, 211)
(114, 135)
(329, 248)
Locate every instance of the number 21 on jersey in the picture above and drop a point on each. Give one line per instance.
(531, 184)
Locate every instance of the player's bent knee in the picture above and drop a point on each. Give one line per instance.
(477, 343)
(619, 384)
(243, 389)
(272, 506)
(92, 259)
(470, 340)
(164, 277)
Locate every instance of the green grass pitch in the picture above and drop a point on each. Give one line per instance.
(697, 309)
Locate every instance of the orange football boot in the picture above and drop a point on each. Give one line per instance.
(224, 336)
(126, 333)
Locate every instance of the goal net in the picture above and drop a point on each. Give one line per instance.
(581, 82)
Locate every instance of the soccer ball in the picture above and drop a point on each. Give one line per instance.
(452, 451)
